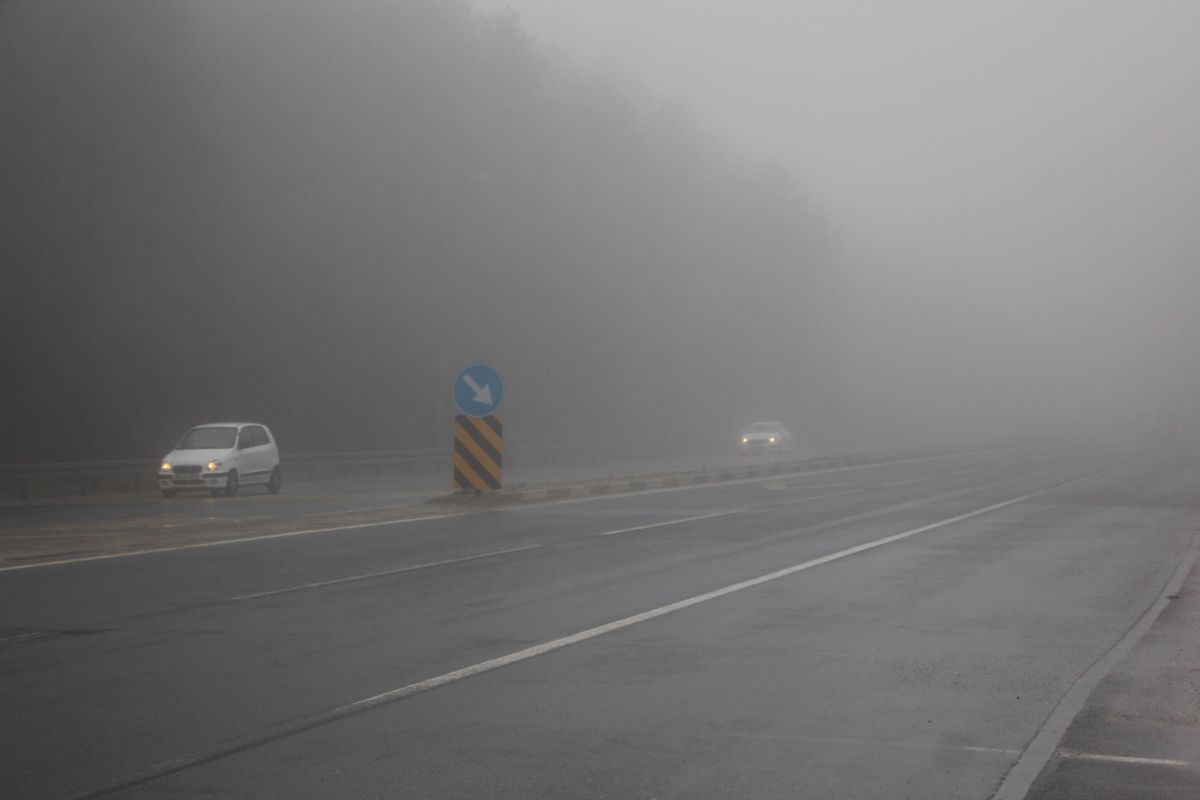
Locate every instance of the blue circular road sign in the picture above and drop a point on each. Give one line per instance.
(478, 390)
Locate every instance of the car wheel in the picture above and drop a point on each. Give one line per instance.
(231, 484)
(276, 481)
(168, 493)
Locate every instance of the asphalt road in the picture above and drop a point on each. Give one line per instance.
(917, 629)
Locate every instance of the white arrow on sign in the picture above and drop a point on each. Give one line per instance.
(483, 394)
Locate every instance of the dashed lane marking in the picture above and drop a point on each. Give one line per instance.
(670, 522)
(800, 500)
(567, 501)
(174, 766)
(379, 574)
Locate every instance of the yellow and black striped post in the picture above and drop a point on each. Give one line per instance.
(478, 445)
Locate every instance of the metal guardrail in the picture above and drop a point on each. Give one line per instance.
(27, 481)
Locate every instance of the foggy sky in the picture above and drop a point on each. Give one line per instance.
(1031, 167)
(875, 222)
(312, 215)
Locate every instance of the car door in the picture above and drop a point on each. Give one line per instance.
(248, 456)
(262, 455)
(270, 450)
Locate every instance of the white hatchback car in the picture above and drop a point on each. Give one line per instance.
(222, 457)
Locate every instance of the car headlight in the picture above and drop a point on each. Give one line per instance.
(213, 466)
(745, 440)
(771, 440)
(166, 466)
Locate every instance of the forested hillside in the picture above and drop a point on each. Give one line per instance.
(312, 214)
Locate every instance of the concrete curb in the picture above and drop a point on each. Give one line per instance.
(682, 479)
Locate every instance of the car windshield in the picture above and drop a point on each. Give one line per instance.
(208, 439)
(764, 427)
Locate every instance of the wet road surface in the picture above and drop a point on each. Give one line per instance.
(898, 630)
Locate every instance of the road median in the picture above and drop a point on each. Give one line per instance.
(33, 544)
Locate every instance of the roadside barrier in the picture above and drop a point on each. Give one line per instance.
(32, 481)
(714, 462)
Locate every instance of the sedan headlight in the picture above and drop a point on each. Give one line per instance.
(166, 467)
(771, 440)
(213, 466)
(745, 440)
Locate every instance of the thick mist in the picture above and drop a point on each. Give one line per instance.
(313, 216)
(878, 223)
(1016, 186)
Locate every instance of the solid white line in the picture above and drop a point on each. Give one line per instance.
(20, 636)
(821, 485)
(857, 742)
(1153, 762)
(669, 522)
(41, 536)
(379, 574)
(566, 501)
(671, 608)
(170, 767)
(220, 542)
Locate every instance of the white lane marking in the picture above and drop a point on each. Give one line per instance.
(969, 748)
(1041, 749)
(380, 574)
(903, 483)
(664, 523)
(669, 522)
(566, 501)
(165, 768)
(1153, 762)
(680, 605)
(823, 485)
(799, 500)
(221, 542)
(41, 536)
(19, 636)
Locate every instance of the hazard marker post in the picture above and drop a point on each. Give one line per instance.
(478, 431)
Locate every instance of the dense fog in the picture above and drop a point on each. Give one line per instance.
(1015, 184)
(658, 221)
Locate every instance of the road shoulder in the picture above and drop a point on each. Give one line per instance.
(1138, 735)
